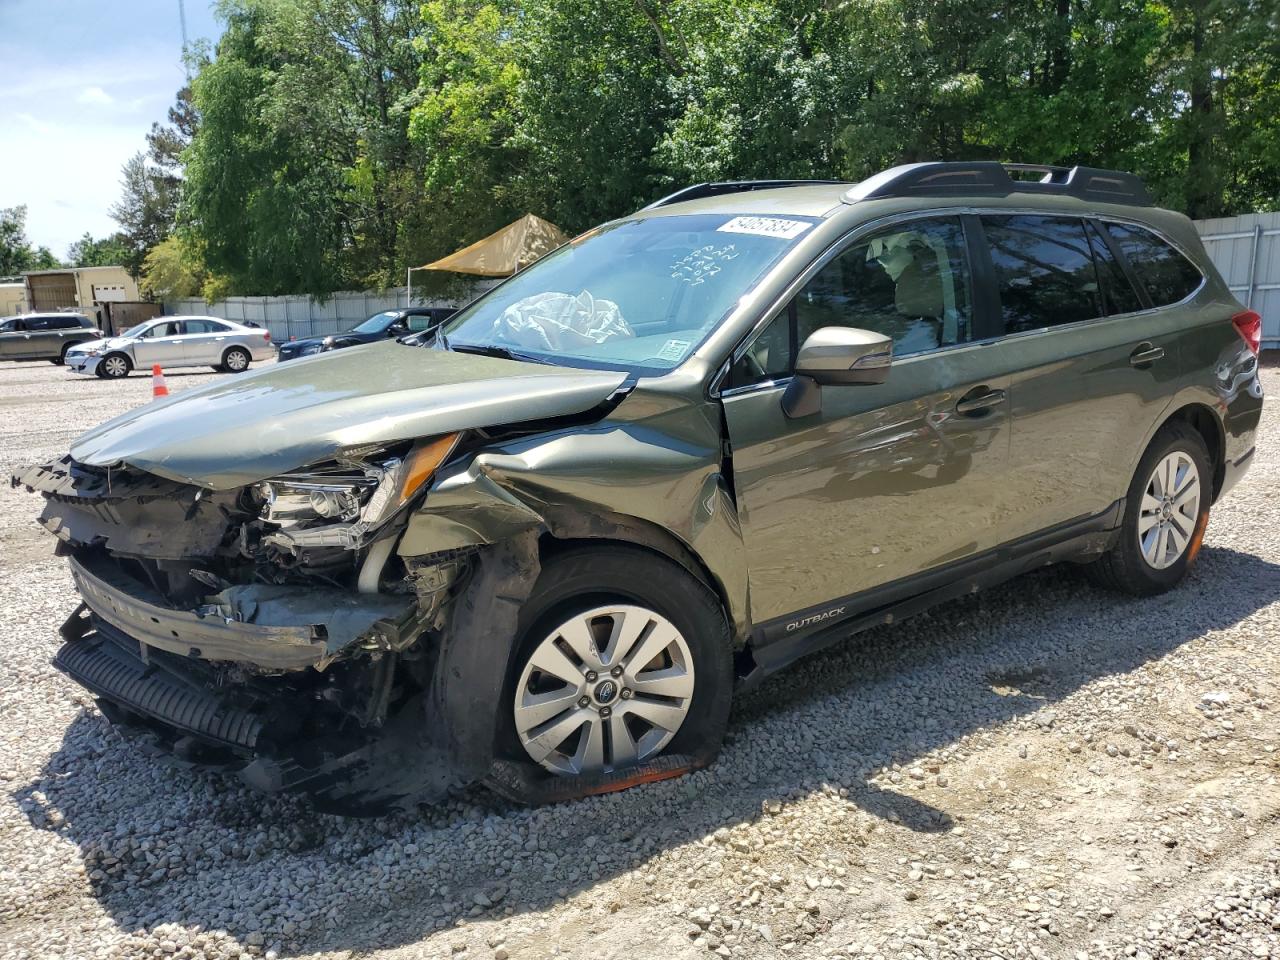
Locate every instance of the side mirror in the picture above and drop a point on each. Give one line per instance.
(835, 356)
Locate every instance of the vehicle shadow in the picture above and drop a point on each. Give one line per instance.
(890, 696)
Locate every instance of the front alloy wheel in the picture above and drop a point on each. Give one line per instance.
(606, 689)
(1170, 510)
(115, 366)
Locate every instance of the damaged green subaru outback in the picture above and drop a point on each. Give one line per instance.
(541, 547)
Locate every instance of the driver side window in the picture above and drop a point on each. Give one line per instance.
(909, 282)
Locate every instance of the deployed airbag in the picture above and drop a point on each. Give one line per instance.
(561, 321)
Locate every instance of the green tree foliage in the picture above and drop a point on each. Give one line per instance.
(174, 269)
(302, 176)
(17, 255)
(151, 184)
(340, 141)
(110, 251)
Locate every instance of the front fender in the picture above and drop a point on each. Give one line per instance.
(624, 481)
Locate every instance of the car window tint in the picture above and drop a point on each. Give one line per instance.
(909, 282)
(38, 323)
(418, 322)
(1166, 274)
(1044, 271)
(170, 329)
(203, 326)
(1118, 294)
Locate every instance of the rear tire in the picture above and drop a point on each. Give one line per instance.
(114, 366)
(236, 360)
(1165, 514)
(620, 588)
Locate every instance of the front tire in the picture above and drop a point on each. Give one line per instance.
(114, 366)
(1165, 514)
(623, 658)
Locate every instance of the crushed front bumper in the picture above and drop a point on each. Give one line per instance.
(276, 738)
(83, 364)
(263, 627)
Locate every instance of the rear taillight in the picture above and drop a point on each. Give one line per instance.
(1248, 324)
(266, 335)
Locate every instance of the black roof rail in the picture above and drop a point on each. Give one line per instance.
(990, 178)
(715, 189)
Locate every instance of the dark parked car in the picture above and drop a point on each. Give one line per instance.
(44, 336)
(542, 548)
(381, 326)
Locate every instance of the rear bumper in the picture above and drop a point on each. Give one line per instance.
(1233, 472)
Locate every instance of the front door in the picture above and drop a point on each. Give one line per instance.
(15, 340)
(885, 481)
(162, 344)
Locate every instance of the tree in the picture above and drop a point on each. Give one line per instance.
(173, 269)
(17, 255)
(108, 252)
(152, 184)
(291, 191)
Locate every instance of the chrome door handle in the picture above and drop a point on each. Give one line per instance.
(974, 402)
(1144, 354)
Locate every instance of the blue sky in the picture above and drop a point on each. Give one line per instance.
(81, 82)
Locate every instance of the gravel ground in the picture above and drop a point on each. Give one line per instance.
(1044, 770)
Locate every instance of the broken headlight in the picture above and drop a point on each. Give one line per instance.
(337, 505)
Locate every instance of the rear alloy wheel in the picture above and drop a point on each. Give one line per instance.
(236, 360)
(606, 689)
(114, 366)
(1169, 511)
(1165, 515)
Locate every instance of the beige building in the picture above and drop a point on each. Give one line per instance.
(78, 288)
(13, 298)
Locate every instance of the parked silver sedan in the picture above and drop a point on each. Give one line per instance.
(173, 342)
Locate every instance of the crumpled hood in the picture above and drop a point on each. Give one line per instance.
(102, 344)
(252, 426)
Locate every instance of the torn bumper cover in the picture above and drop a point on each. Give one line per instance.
(339, 733)
(264, 626)
(274, 738)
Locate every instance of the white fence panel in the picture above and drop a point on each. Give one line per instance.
(1246, 251)
(296, 317)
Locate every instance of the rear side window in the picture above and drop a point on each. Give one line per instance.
(203, 326)
(1118, 295)
(1044, 271)
(1166, 274)
(38, 323)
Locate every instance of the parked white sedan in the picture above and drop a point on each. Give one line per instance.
(173, 342)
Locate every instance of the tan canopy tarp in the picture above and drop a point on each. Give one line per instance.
(503, 253)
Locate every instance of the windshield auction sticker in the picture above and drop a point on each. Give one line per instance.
(766, 227)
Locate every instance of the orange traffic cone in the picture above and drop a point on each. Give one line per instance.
(158, 389)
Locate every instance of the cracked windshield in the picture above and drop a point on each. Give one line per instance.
(637, 295)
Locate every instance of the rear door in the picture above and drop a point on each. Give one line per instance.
(1093, 367)
(203, 341)
(886, 481)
